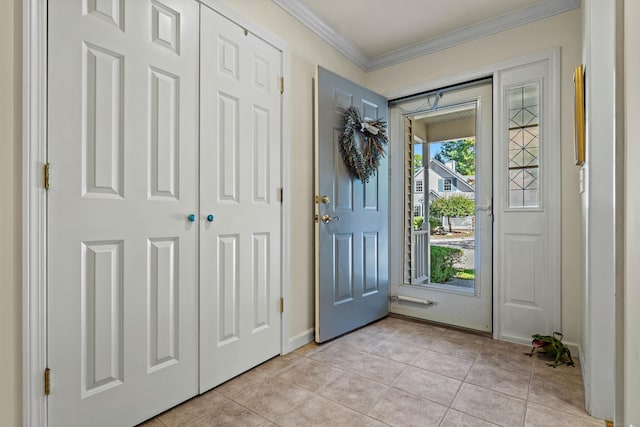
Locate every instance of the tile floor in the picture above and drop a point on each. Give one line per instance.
(399, 373)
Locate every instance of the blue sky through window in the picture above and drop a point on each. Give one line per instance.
(434, 148)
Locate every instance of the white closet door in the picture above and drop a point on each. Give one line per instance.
(122, 254)
(240, 172)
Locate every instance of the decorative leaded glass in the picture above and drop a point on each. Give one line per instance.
(524, 146)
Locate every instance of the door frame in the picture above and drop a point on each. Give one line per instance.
(34, 198)
(396, 158)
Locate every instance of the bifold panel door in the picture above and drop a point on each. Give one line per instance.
(122, 252)
(164, 216)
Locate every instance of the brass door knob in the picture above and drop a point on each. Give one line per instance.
(326, 218)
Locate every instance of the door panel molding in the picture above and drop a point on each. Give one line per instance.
(34, 199)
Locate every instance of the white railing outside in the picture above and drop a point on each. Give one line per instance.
(420, 256)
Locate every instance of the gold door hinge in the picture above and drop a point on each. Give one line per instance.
(281, 305)
(45, 175)
(47, 384)
(281, 85)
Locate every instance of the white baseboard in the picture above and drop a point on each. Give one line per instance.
(301, 339)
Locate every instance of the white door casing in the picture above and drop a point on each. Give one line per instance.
(122, 257)
(469, 310)
(240, 167)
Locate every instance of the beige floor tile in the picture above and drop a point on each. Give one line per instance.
(541, 416)
(490, 405)
(455, 418)
(508, 382)
(310, 375)
(229, 414)
(241, 383)
(347, 382)
(383, 329)
(273, 398)
(366, 421)
(192, 409)
(278, 364)
(442, 364)
(567, 398)
(398, 408)
(465, 337)
(362, 340)
(506, 347)
(455, 348)
(429, 385)
(339, 355)
(154, 422)
(512, 361)
(569, 376)
(318, 411)
(412, 338)
(312, 348)
(377, 368)
(354, 391)
(403, 353)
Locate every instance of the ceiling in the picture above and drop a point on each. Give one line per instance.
(378, 33)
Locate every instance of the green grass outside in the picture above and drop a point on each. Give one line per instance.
(466, 274)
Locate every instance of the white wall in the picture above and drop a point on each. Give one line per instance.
(631, 350)
(598, 207)
(10, 211)
(562, 30)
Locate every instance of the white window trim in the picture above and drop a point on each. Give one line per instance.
(446, 181)
(421, 185)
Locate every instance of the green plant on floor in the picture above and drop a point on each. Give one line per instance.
(443, 260)
(434, 222)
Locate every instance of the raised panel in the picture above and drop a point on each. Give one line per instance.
(261, 149)
(111, 11)
(164, 92)
(343, 180)
(521, 269)
(261, 281)
(102, 123)
(228, 289)
(102, 347)
(341, 101)
(163, 294)
(261, 73)
(228, 146)
(370, 262)
(370, 111)
(370, 196)
(343, 267)
(165, 26)
(229, 58)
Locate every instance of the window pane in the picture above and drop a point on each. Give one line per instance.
(524, 146)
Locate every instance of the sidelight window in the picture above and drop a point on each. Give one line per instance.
(524, 146)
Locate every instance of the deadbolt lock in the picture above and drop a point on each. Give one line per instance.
(326, 200)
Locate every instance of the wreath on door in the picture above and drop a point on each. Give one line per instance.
(362, 159)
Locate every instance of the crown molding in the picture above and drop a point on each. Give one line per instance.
(484, 28)
(321, 28)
